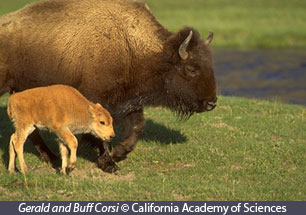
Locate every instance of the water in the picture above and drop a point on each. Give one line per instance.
(267, 74)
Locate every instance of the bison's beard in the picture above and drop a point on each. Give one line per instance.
(182, 106)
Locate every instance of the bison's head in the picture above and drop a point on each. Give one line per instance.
(189, 81)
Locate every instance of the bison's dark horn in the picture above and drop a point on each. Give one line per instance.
(182, 50)
(209, 38)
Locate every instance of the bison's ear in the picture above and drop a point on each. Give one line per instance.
(183, 47)
(178, 46)
(209, 38)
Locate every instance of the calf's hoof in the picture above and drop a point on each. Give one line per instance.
(71, 166)
(106, 163)
(63, 171)
(24, 169)
(11, 171)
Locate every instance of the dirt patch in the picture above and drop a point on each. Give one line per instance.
(223, 107)
(180, 197)
(175, 166)
(92, 172)
(236, 166)
(114, 178)
(302, 115)
(8, 194)
(222, 125)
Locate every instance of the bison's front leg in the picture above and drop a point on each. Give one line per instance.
(133, 126)
(41, 147)
(104, 161)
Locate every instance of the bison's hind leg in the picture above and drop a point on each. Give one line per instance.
(42, 148)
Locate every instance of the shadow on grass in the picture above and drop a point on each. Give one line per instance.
(6, 130)
(152, 132)
(161, 134)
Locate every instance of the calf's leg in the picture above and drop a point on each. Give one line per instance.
(64, 155)
(19, 150)
(21, 136)
(12, 160)
(72, 143)
(133, 127)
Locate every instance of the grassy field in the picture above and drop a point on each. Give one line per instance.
(243, 150)
(236, 23)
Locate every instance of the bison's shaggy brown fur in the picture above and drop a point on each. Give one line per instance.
(114, 52)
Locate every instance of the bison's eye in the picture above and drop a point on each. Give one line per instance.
(102, 122)
(190, 71)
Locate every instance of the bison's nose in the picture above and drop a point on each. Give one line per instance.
(211, 104)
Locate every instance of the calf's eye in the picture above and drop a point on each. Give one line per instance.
(102, 122)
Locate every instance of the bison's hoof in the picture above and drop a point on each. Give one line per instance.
(119, 153)
(118, 158)
(106, 163)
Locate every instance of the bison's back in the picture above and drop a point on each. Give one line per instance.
(90, 44)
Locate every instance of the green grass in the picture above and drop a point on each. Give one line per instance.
(244, 150)
(239, 23)
(236, 23)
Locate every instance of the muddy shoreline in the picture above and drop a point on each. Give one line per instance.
(266, 74)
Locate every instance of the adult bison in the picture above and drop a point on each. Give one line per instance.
(114, 52)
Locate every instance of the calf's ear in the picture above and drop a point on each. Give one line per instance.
(98, 105)
(91, 110)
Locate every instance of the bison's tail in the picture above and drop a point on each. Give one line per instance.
(6, 86)
(6, 83)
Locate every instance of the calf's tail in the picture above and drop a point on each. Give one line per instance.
(9, 109)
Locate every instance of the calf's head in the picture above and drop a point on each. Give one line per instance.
(102, 122)
(190, 81)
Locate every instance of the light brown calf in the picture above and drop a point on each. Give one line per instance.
(61, 109)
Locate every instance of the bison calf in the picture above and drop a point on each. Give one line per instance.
(61, 109)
